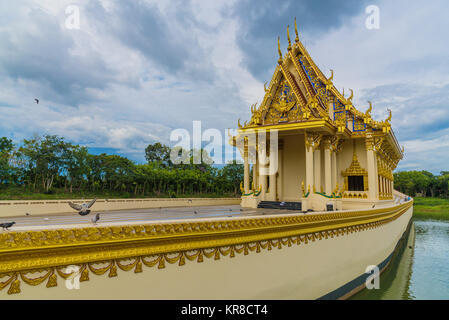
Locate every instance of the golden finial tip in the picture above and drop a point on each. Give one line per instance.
(288, 37)
(296, 32)
(279, 50)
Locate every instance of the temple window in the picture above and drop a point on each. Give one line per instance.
(355, 183)
(356, 177)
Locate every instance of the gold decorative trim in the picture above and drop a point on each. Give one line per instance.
(129, 247)
(312, 140)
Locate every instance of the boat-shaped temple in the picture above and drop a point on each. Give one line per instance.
(318, 209)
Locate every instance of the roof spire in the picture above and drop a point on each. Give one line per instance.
(279, 50)
(288, 37)
(296, 31)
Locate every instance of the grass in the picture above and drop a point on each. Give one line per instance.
(23, 194)
(431, 208)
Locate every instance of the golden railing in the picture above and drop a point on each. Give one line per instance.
(99, 250)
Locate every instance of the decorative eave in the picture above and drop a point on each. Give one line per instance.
(318, 125)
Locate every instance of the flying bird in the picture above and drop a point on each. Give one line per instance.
(37, 101)
(7, 225)
(96, 218)
(82, 209)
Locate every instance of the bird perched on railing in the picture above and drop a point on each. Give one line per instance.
(82, 209)
(7, 225)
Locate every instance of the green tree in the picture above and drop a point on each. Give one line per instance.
(158, 153)
(6, 149)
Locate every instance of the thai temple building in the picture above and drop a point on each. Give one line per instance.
(328, 154)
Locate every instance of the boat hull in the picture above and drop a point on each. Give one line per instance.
(292, 257)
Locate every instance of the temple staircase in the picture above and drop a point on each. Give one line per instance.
(280, 205)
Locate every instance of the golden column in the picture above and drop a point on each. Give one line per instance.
(280, 177)
(272, 172)
(255, 172)
(371, 161)
(317, 168)
(262, 166)
(245, 167)
(334, 168)
(328, 174)
(309, 161)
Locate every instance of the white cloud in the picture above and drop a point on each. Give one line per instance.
(182, 61)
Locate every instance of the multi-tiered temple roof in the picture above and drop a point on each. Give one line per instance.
(300, 96)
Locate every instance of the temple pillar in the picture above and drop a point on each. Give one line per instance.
(255, 173)
(327, 169)
(280, 176)
(273, 187)
(334, 168)
(379, 185)
(371, 168)
(255, 185)
(245, 169)
(309, 167)
(262, 168)
(389, 187)
(317, 169)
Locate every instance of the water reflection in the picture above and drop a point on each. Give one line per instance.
(420, 269)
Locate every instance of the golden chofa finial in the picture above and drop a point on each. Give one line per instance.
(296, 31)
(288, 37)
(370, 108)
(265, 87)
(332, 75)
(351, 96)
(328, 82)
(389, 116)
(253, 107)
(279, 50)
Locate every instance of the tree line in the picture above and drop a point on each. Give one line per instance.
(49, 164)
(422, 183)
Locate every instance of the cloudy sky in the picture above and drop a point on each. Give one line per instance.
(136, 70)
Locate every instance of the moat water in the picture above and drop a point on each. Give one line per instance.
(420, 270)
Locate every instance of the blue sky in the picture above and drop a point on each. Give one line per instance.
(136, 70)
